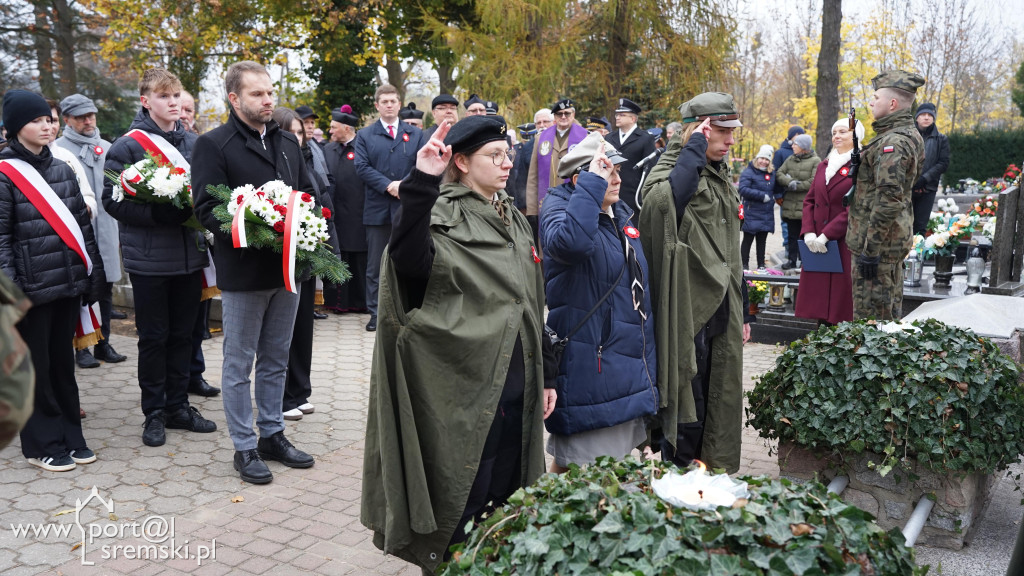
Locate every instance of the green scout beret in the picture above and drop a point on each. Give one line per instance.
(718, 106)
(899, 79)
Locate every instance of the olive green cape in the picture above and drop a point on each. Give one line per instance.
(694, 267)
(438, 372)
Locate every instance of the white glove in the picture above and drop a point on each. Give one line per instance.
(823, 241)
(767, 198)
(811, 239)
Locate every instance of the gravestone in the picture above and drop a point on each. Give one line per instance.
(1007, 246)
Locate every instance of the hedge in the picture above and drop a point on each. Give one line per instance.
(983, 154)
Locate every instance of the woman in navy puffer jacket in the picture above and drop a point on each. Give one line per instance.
(757, 188)
(606, 380)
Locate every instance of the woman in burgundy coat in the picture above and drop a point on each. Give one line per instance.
(824, 296)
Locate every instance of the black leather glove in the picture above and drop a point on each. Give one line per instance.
(868, 266)
(170, 215)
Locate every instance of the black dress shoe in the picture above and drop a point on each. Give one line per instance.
(371, 326)
(201, 387)
(85, 359)
(319, 315)
(105, 352)
(118, 315)
(153, 433)
(190, 419)
(252, 468)
(789, 265)
(277, 447)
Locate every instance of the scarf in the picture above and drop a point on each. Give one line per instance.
(836, 161)
(88, 144)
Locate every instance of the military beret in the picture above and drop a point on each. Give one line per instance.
(410, 112)
(718, 106)
(473, 99)
(306, 112)
(491, 107)
(899, 79)
(563, 104)
(443, 99)
(583, 153)
(77, 105)
(345, 116)
(627, 105)
(475, 131)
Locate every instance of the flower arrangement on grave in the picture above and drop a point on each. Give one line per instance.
(944, 234)
(947, 207)
(985, 207)
(927, 392)
(284, 220)
(989, 229)
(1012, 173)
(609, 519)
(757, 291)
(151, 181)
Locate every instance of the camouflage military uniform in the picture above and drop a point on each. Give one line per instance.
(17, 377)
(881, 215)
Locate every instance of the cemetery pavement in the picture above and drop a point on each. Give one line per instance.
(186, 497)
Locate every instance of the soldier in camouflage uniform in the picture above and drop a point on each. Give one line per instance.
(881, 215)
(17, 377)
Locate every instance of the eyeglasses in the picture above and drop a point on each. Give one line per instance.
(498, 158)
(565, 113)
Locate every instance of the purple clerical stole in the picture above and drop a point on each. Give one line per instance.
(545, 147)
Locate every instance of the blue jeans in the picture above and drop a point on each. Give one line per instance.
(257, 325)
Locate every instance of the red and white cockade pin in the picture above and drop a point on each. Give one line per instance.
(405, 137)
(631, 231)
(536, 257)
(351, 156)
(844, 171)
(767, 177)
(97, 151)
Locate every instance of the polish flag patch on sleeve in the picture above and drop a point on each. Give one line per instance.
(887, 149)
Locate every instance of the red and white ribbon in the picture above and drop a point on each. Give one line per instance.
(238, 239)
(88, 320)
(291, 230)
(159, 148)
(31, 183)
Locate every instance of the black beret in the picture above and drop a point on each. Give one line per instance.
(410, 112)
(443, 99)
(306, 112)
(563, 104)
(475, 131)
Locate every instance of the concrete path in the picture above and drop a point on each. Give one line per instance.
(306, 521)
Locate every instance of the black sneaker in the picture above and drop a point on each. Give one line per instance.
(83, 456)
(278, 448)
(190, 419)
(252, 468)
(57, 463)
(85, 359)
(153, 433)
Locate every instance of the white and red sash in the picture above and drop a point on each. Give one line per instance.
(87, 332)
(31, 183)
(159, 148)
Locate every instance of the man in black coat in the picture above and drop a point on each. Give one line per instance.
(349, 198)
(385, 154)
(936, 161)
(636, 145)
(259, 312)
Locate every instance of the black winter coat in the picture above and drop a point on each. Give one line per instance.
(31, 252)
(233, 154)
(936, 159)
(349, 196)
(148, 246)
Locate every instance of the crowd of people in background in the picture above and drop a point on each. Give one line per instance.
(457, 236)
